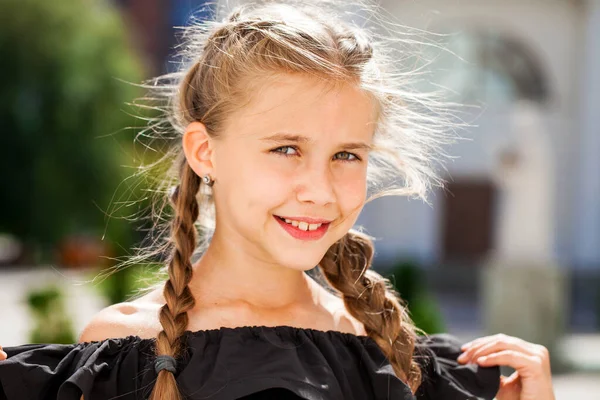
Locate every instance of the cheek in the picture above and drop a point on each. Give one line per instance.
(270, 183)
(353, 197)
(259, 184)
(352, 192)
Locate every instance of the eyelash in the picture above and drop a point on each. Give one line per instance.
(356, 158)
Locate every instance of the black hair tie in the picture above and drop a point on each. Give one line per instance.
(165, 362)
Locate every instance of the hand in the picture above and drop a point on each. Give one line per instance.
(2, 354)
(532, 379)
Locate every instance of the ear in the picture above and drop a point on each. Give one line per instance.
(197, 146)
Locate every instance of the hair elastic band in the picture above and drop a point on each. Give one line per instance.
(165, 362)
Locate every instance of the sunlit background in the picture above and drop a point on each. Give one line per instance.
(511, 245)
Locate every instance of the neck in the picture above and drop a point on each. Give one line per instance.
(226, 275)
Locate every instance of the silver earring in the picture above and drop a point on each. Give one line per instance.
(208, 180)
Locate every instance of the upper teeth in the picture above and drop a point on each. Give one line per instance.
(305, 226)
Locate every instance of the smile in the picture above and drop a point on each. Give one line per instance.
(304, 230)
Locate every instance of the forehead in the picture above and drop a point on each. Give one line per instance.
(301, 104)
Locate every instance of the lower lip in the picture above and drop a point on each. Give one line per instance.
(304, 235)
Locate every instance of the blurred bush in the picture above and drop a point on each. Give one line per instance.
(408, 279)
(126, 282)
(51, 321)
(63, 123)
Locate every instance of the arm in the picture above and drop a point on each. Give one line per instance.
(111, 322)
(115, 321)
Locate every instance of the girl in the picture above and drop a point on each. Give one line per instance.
(288, 118)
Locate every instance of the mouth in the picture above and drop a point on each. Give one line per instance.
(305, 229)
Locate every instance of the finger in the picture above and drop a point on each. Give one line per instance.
(523, 363)
(481, 340)
(473, 342)
(512, 379)
(507, 343)
(474, 345)
(510, 387)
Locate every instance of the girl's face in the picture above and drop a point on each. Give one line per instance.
(291, 170)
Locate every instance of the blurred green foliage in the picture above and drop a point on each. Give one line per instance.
(63, 118)
(124, 283)
(51, 321)
(408, 279)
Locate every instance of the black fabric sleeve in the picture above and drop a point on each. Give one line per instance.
(98, 370)
(447, 379)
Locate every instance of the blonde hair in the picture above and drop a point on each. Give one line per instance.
(221, 60)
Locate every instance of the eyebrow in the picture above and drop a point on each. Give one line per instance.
(288, 137)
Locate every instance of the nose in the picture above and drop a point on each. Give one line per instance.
(316, 186)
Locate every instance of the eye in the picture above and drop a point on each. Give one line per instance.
(285, 150)
(346, 156)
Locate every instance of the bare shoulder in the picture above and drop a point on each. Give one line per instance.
(352, 325)
(343, 320)
(358, 328)
(120, 320)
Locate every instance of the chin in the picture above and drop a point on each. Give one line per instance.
(301, 261)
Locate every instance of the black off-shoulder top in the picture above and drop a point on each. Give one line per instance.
(248, 362)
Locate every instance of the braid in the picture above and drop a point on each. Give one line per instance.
(370, 298)
(179, 299)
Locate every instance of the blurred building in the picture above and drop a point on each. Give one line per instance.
(544, 54)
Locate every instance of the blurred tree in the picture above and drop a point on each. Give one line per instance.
(408, 280)
(64, 130)
(124, 283)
